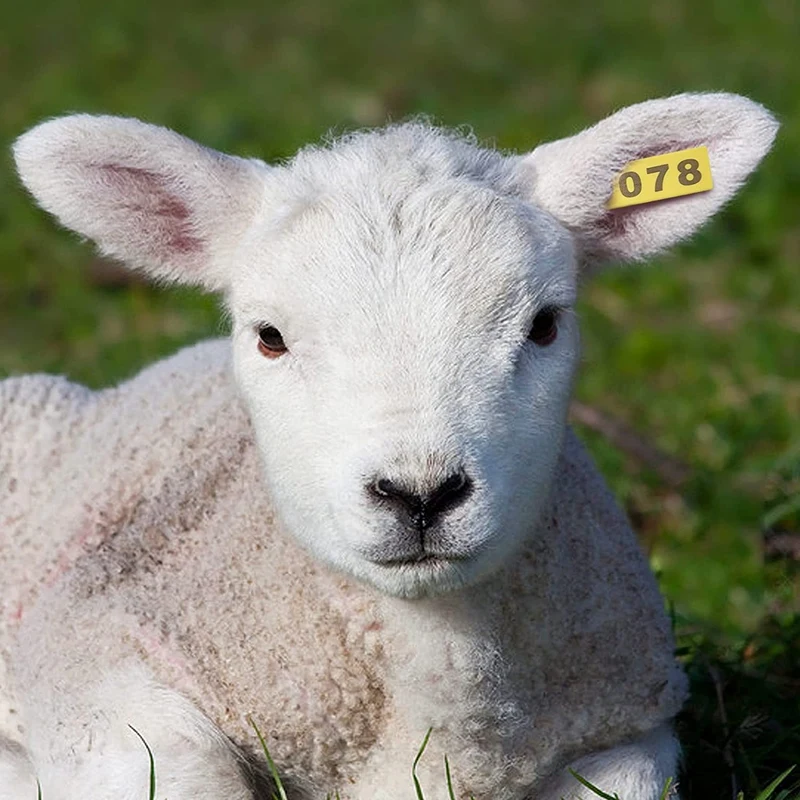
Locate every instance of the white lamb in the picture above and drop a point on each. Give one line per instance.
(364, 516)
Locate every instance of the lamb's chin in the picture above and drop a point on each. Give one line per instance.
(425, 577)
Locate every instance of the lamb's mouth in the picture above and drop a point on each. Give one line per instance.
(415, 561)
(420, 559)
(413, 573)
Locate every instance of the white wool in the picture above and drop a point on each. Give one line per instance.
(230, 535)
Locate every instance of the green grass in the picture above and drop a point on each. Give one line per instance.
(699, 351)
(768, 793)
(273, 770)
(151, 794)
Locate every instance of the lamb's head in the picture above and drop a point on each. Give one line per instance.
(402, 304)
(415, 356)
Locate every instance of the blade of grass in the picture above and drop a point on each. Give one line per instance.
(767, 793)
(450, 792)
(152, 794)
(776, 514)
(270, 763)
(592, 787)
(420, 795)
(665, 791)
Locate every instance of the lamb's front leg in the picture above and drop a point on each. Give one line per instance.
(637, 770)
(17, 779)
(97, 752)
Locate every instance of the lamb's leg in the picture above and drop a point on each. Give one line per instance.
(638, 770)
(17, 781)
(98, 753)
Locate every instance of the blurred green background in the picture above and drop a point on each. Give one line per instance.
(698, 353)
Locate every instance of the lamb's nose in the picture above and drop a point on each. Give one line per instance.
(422, 510)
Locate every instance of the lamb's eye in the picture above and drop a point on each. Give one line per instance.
(270, 342)
(545, 327)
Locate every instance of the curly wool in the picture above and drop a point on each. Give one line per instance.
(166, 533)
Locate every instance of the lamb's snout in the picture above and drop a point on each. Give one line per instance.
(420, 508)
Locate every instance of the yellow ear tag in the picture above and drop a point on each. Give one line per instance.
(661, 177)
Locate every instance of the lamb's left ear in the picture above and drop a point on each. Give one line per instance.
(573, 178)
(144, 194)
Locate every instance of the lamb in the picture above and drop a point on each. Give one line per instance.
(363, 516)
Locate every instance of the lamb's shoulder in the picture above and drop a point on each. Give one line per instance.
(39, 416)
(95, 457)
(50, 427)
(74, 462)
(604, 656)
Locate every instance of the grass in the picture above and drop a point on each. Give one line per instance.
(699, 350)
(768, 793)
(152, 788)
(273, 770)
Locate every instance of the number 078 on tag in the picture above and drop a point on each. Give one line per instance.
(661, 177)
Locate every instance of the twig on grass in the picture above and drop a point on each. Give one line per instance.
(670, 470)
(727, 749)
(782, 545)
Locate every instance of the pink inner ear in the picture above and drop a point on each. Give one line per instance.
(147, 199)
(668, 147)
(616, 223)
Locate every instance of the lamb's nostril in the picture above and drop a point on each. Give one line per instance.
(422, 509)
(449, 493)
(395, 493)
(383, 487)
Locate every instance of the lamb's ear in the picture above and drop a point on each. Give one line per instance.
(572, 178)
(144, 194)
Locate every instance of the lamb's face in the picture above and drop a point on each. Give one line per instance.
(411, 427)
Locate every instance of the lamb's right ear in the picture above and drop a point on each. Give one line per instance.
(144, 194)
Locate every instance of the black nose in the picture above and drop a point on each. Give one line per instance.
(423, 509)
